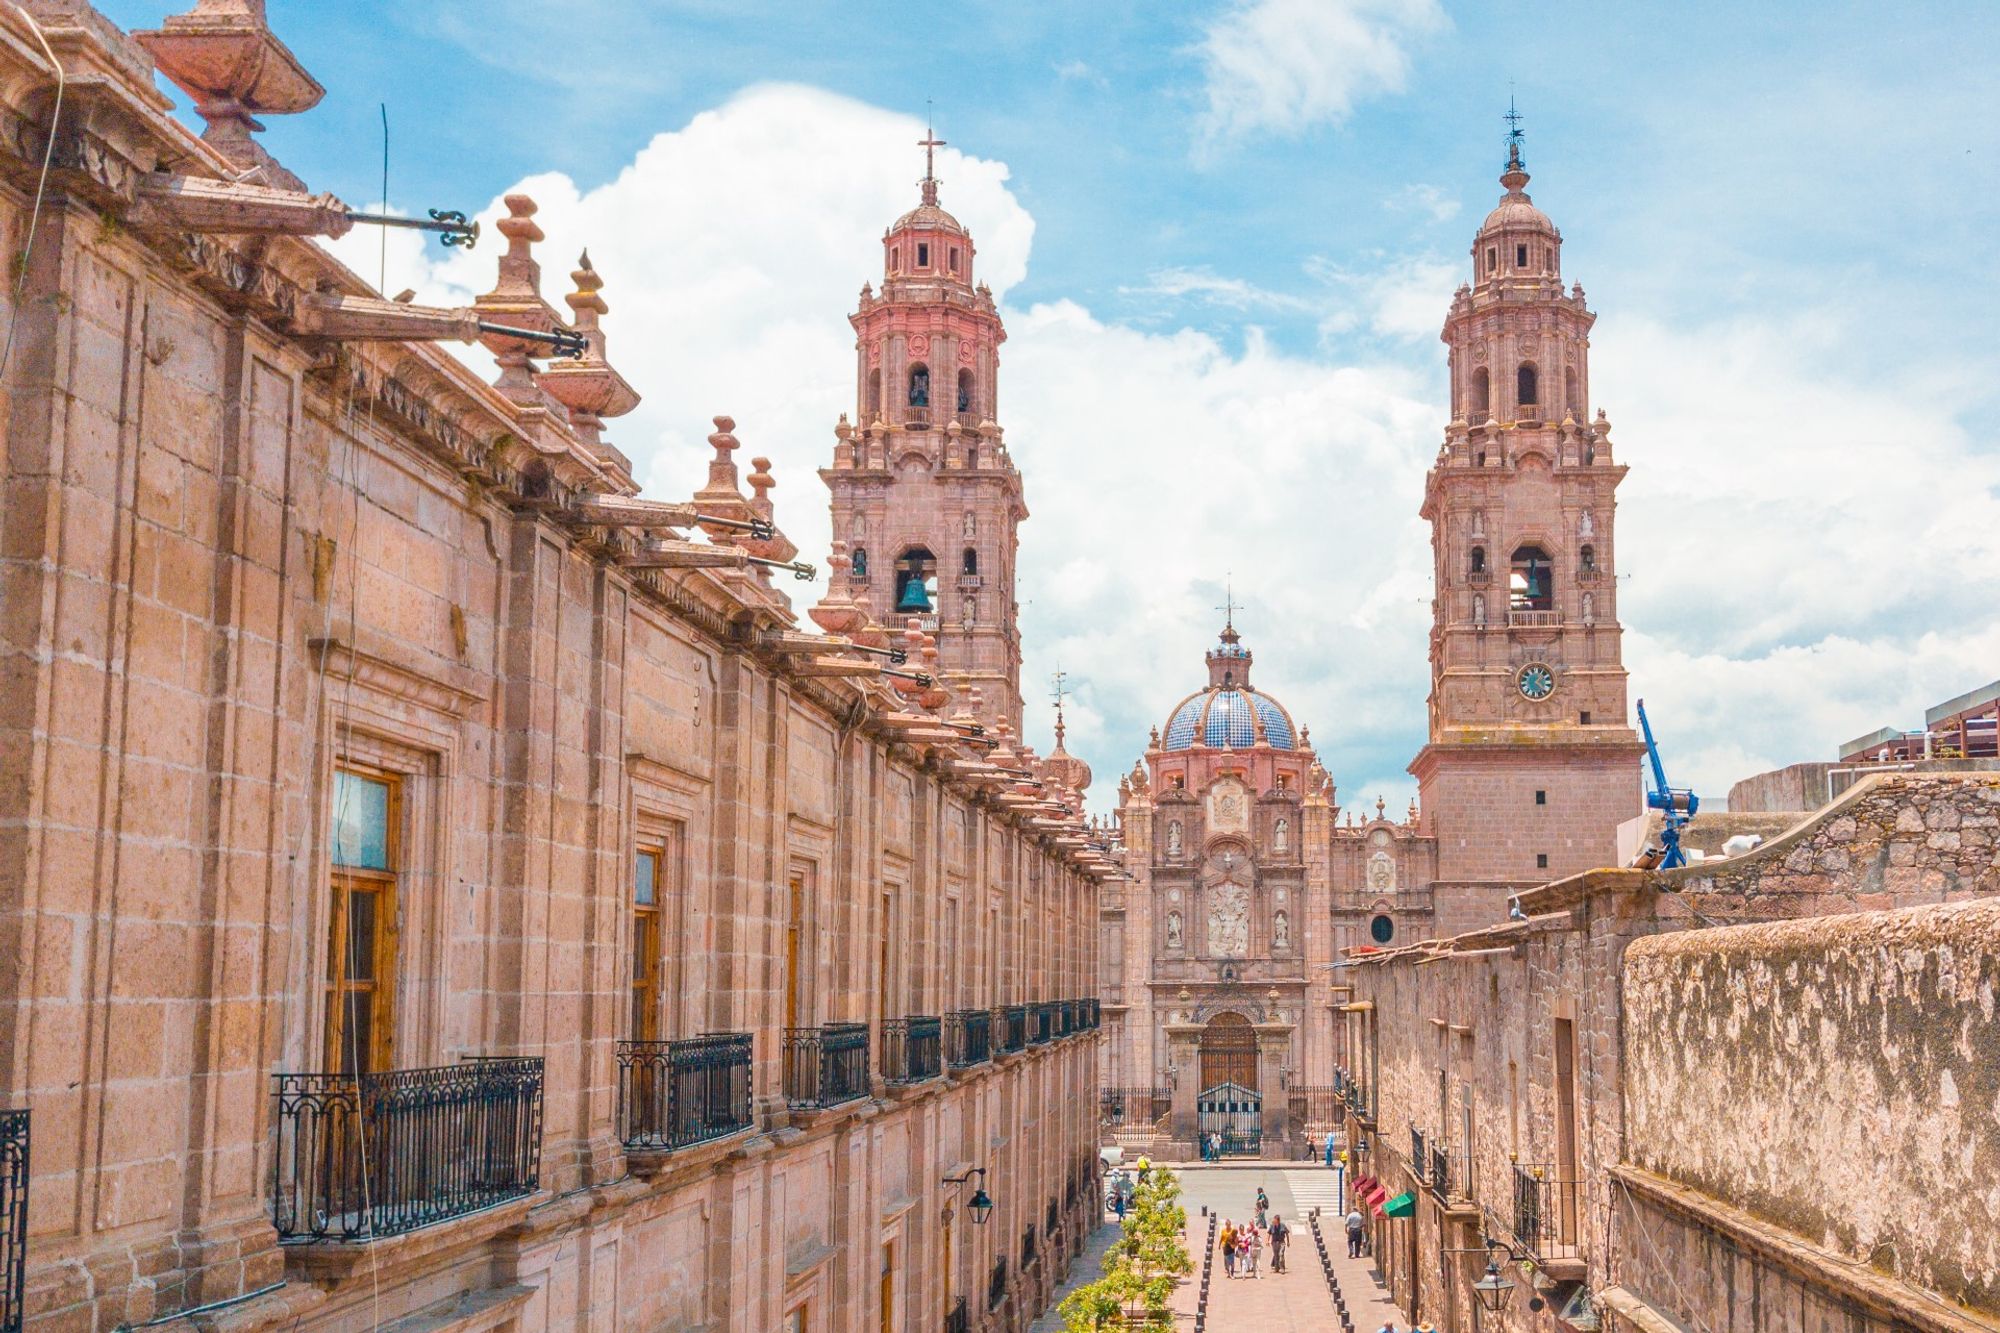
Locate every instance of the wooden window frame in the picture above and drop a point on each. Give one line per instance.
(343, 883)
(647, 981)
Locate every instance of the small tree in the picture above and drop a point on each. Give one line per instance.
(1142, 1267)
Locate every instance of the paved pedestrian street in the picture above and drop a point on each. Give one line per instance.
(1295, 1301)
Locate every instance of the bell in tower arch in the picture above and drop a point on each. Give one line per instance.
(914, 598)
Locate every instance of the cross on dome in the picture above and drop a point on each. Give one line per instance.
(930, 143)
(1514, 136)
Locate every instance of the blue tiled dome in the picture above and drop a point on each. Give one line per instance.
(1235, 717)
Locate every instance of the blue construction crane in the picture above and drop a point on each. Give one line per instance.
(1675, 804)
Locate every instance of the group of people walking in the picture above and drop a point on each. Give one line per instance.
(1242, 1243)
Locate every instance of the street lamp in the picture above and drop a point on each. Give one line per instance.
(981, 1203)
(1493, 1291)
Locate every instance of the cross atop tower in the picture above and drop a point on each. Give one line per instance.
(1514, 135)
(1058, 682)
(1229, 608)
(930, 143)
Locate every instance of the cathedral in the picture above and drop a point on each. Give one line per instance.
(1223, 998)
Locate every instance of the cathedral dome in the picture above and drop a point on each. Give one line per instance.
(1236, 718)
(929, 217)
(1229, 714)
(1516, 211)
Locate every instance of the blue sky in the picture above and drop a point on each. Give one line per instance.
(1253, 213)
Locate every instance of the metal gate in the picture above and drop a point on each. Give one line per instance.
(1237, 1114)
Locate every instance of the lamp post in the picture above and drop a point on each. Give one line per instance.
(981, 1203)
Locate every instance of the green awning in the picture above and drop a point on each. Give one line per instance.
(1403, 1205)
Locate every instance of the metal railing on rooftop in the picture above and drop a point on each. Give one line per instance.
(675, 1093)
(374, 1155)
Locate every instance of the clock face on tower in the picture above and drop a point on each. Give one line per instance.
(1536, 681)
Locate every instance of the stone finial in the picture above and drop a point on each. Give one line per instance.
(1411, 817)
(761, 482)
(587, 386)
(1380, 806)
(223, 54)
(836, 612)
(516, 301)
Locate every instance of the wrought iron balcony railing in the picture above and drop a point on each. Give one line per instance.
(1027, 1247)
(1419, 1158)
(996, 1284)
(1042, 1023)
(1545, 1214)
(1093, 1014)
(675, 1093)
(956, 1319)
(969, 1037)
(14, 1135)
(374, 1155)
(1014, 1030)
(825, 1066)
(912, 1048)
(1051, 1219)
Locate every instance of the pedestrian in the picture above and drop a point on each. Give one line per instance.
(1281, 1236)
(1389, 1327)
(1228, 1240)
(1253, 1246)
(1215, 1145)
(1329, 1148)
(1263, 1207)
(1118, 1203)
(1354, 1225)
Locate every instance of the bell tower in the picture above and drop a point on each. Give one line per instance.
(1531, 765)
(924, 493)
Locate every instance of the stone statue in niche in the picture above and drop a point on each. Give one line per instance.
(920, 387)
(1479, 608)
(1584, 525)
(1281, 834)
(1174, 839)
(971, 527)
(1174, 930)
(1381, 872)
(1281, 932)
(1589, 608)
(1228, 921)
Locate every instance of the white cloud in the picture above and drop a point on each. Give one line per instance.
(1441, 205)
(1290, 64)
(1233, 293)
(1810, 554)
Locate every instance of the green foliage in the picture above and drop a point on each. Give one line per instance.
(1142, 1267)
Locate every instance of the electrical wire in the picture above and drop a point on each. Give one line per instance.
(41, 189)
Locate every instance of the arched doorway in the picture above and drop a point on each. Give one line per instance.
(1229, 1105)
(1229, 1052)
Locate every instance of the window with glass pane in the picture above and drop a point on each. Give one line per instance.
(361, 923)
(646, 945)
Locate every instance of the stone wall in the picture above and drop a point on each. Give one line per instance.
(1843, 1071)
(1466, 1029)
(1797, 787)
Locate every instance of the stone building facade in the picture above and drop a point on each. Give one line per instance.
(1529, 769)
(436, 890)
(1749, 1094)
